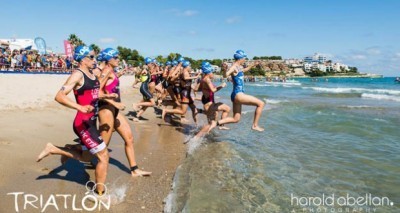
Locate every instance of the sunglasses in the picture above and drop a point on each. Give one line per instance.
(90, 57)
(116, 57)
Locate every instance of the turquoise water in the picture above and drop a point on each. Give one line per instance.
(338, 137)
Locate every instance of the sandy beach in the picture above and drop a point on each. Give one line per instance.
(30, 118)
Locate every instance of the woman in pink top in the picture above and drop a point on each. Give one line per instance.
(109, 115)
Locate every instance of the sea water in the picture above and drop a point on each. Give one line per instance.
(336, 137)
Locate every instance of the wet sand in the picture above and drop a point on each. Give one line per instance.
(26, 129)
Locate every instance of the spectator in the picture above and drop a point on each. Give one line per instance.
(68, 63)
(2, 60)
(18, 57)
(38, 62)
(25, 63)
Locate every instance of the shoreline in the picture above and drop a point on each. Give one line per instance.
(158, 148)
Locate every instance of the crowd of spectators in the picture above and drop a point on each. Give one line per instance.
(32, 61)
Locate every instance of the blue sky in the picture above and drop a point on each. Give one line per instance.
(359, 33)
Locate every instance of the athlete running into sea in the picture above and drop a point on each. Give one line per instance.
(211, 108)
(109, 116)
(86, 88)
(238, 97)
(186, 89)
(148, 100)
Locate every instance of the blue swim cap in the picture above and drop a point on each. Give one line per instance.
(174, 63)
(100, 56)
(180, 59)
(81, 52)
(185, 63)
(205, 63)
(148, 60)
(239, 54)
(109, 53)
(207, 69)
(168, 63)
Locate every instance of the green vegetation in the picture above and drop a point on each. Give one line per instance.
(353, 70)
(131, 57)
(317, 73)
(257, 70)
(267, 58)
(75, 41)
(95, 48)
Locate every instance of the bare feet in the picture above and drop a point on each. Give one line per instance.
(257, 128)
(46, 151)
(212, 125)
(140, 173)
(224, 128)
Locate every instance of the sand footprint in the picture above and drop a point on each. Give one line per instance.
(45, 169)
(5, 143)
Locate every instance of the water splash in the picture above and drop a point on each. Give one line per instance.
(117, 192)
(194, 143)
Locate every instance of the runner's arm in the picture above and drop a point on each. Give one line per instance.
(213, 88)
(251, 66)
(62, 95)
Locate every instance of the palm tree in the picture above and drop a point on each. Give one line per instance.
(95, 48)
(75, 40)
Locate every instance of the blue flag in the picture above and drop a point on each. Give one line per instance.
(41, 45)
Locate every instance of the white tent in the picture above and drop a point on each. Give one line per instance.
(20, 43)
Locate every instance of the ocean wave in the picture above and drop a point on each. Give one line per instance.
(294, 83)
(357, 106)
(274, 101)
(381, 97)
(325, 113)
(381, 120)
(276, 84)
(338, 95)
(257, 85)
(355, 89)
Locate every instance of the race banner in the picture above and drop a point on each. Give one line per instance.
(40, 45)
(68, 48)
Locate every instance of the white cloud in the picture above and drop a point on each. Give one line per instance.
(358, 57)
(376, 59)
(328, 55)
(233, 19)
(189, 13)
(186, 13)
(106, 40)
(373, 51)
